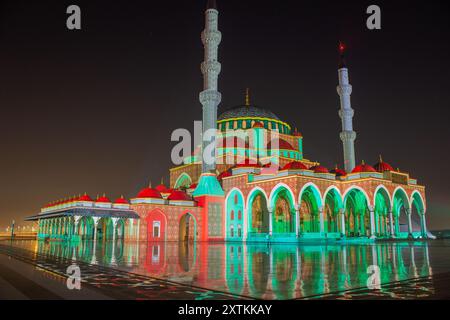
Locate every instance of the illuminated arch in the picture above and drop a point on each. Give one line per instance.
(356, 204)
(333, 203)
(235, 215)
(382, 206)
(184, 180)
(262, 225)
(282, 204)
(187, 231)
(310, 203)
(417, 201)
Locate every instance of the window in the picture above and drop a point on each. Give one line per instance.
(239, 231)
(232, 215)
(239, 215)
(156, 229)
(235, 199)
(232, 231)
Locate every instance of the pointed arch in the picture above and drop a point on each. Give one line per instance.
(282, 204)
(235, 217)
(310, 203)
(183, 180)
(333, 203)
(257, 213)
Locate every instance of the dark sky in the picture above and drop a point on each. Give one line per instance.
(93, 110)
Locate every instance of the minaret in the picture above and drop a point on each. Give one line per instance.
(346, 113)
(210, 97)
(208, 186)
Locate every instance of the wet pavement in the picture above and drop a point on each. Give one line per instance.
(120, 270)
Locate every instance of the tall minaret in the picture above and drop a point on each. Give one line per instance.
(210, 97)
(348, 136)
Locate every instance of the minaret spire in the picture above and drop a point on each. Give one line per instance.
(210, 97)
(344, 89)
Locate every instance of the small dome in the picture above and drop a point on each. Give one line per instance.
(85, 197)
(103, 199)
(319, 169)
(192, 186)
(382, 166)
(282, 145)
(363, 167)
(121, 200)
(338, 172)
(149, 192)
(162, 188)
(295, 165)
(179, 195)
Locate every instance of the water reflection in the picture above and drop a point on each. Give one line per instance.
(261, 271)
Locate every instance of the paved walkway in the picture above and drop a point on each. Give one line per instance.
(27, 275)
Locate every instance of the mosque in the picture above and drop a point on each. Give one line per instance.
(258, 188)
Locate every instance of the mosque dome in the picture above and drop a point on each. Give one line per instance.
(85, 197)
(162, 188)
(251, 111)
(319, 169)
(363, 167)
(149, 192)
(382, 166)
(121, 200)
(282, 145)
(224, 174)
(338, 172)
(295, 165)
(103, 199)
(179, 195)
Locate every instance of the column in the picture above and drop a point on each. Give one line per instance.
(322, 224)
(391, 223)
(270, 221)
(372, 223)
(96, 219)
(423, 225)
(342, 215)
(297, 221)
(410, 229)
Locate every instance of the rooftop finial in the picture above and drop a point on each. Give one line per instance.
(381, 159)
(342, 49)
(162, 180)
(150, 184)
(211, 4)
(247, 97)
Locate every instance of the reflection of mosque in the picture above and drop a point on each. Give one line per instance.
(269, 272)
(268, 193)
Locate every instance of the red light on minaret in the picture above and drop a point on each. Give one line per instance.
(341, 47)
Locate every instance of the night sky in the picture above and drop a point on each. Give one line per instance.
(93, 110)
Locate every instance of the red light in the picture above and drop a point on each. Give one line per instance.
(341, 47)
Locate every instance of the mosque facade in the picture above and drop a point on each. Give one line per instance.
(258, 188)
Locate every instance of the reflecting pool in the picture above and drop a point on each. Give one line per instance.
(262, 271)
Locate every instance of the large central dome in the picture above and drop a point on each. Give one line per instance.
(245, 111)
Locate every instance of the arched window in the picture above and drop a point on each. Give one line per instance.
(239, 231)
(232, 231)
(232, 215)
(236, 199)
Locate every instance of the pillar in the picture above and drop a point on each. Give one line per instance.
(270, 221)
(372, 223)
(322, 224)
(297, 221)
(342, 216)
(391, 222)
(423, 224)
(96, 219)
(410, 229)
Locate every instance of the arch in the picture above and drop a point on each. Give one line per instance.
(310, 203)
(105, 229)
(183, 180)
(382, 207)
(234, 208)
(156, 225)
(187, 230)
(356, 204)
(257, 213)
(400, 205)
(333, 201)
(282, 202)
(418, 202)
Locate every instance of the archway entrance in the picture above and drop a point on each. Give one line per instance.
(258, 215)
(357, 213)
(188, 228)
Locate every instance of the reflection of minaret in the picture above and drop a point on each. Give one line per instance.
(346, 113)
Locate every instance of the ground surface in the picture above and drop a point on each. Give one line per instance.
(25, 274)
